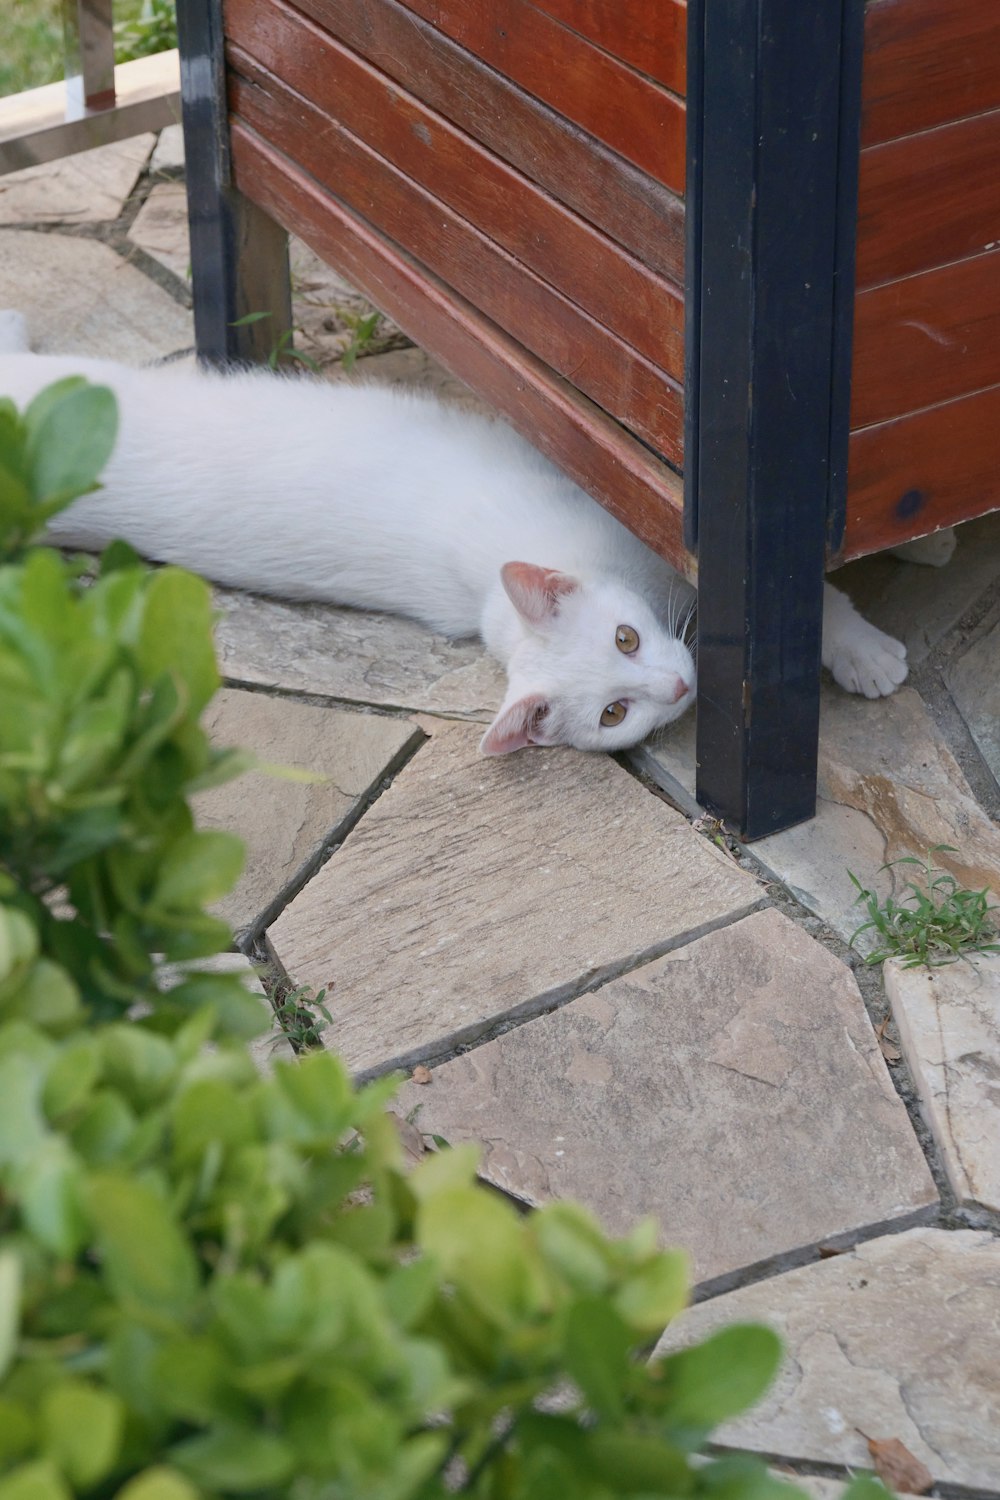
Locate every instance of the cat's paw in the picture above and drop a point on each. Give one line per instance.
(931, 551)
(869, 662)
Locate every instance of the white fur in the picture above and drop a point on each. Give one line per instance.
(388, 500)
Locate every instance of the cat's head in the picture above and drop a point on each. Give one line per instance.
(594, 667)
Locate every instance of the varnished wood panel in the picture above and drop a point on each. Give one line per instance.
(632, 115)
(919, 472)
(613, 467)
(650, 36)
(619, 380)
(927, 62)
(639, 213)
(926, 339)
(928, 199)
(600, 276)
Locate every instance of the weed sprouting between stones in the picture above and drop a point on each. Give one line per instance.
(935, 922)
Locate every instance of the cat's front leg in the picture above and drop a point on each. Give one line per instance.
(861, 658)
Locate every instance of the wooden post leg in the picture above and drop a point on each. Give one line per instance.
(769, 181)
(239, 256)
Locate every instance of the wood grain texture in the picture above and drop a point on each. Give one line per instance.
(928, 62)
(928, 199)
(616, 469)
(919, 472)
(926, 339)
(632, 115)
(650, 36)
(644, 309)
(619, 380)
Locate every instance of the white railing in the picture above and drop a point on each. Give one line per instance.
(96, 103)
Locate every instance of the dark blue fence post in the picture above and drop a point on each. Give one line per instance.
(773, 111)
(239, 256)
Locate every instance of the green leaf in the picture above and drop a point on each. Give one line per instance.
(71, 435)
(175, 636)
(10, 1307)
(719, 1378)
(199, 868)
(597, 1346)
(35, 1481)
(22, 1125)
(82, 1430)
(71, 1078)
(656, 1292)
(17, 1429)
(481, 1245)
(210, 1112)
(146, 1256)
(633, 1463)
(48, 1185)
(159, 1483)
(235, 1460)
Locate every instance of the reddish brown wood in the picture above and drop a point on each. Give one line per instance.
(644, 493)
(644, 309)
(650, 36)
(926, 339)
(637, 212)
(928, 199)
(927, 62)
(628, 387)
(922, 471)
(632, 115)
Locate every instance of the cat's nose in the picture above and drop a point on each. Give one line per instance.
(680, 691)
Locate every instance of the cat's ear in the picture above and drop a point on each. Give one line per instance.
(515, 725)
(535, 592)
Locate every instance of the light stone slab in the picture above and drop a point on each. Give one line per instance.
(81, 298)
(160, 228)
(285, 823)
(87, 188)
(974, 682)
(888, 786)
(168, 153)
(354, 656)
(482, 889)
(899, 1338)
(949, 1029)
(733, 1089)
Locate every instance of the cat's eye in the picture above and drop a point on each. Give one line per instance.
(627, 639)
(614, 713)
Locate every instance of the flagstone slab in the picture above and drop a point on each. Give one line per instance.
(478, 890)
(949, 1029)
(87, 188)
(161, 228)
(733, 1089)
(899, 1338)
(81, 298)
(354, 656)
(168, 153)
(285, 824)
(888, 786)
(973, 680)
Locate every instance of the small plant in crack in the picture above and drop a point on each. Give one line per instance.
(296, 1011)
(935, 922)
(282, 349)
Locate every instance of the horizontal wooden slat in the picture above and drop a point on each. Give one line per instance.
(928, 199)
(927, 62)
(600, 276)
(643, 215)
(920, 472)
(632, 390)
(926, 339)
(635, 117)
(644, 493)
(650, 36)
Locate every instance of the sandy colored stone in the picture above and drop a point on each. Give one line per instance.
(477, 889)
(82, 298)
(900, 1338)
(974, 682)
(354, 656)
(284, 823)
(949, 1029)
(733, 1089)
(83, 189)
(168, 153)
(160, 228)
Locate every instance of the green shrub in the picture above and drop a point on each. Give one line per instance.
(214, 1283)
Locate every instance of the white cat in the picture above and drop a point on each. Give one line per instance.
(388, 500)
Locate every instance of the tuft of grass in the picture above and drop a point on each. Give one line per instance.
(935, 922)
(296, 1013)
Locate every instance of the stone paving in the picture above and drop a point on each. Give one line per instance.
(575, 967)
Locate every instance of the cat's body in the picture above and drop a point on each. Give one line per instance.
(388, 500)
